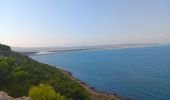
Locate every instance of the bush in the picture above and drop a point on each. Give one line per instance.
(44, 92)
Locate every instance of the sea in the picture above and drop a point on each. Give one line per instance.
(137, 73)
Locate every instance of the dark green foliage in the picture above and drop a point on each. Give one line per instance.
(4, 48)
(18, 73)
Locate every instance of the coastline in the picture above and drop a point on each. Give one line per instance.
(47, 52)
(96, 95)
(92, 90)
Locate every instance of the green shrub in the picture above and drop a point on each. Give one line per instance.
(44, 92)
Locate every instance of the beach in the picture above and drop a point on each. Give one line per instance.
(54, 50)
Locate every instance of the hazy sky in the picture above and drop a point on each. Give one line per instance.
(39, 23)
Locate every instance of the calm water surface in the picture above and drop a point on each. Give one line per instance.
(138, 73)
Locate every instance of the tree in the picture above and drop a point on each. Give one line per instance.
(44, 92)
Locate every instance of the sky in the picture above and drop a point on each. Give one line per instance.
(43, 23)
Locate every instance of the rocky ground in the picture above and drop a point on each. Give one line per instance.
(4, 96)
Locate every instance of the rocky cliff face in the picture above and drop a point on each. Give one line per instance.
(4, 96)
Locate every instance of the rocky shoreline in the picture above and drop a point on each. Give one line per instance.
(96, 95)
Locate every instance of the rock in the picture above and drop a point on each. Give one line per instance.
(4, 96)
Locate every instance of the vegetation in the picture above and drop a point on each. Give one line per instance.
(44, 92)
(4, 48)
(18, 73)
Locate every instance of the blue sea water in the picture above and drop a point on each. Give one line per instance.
(138, 73)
